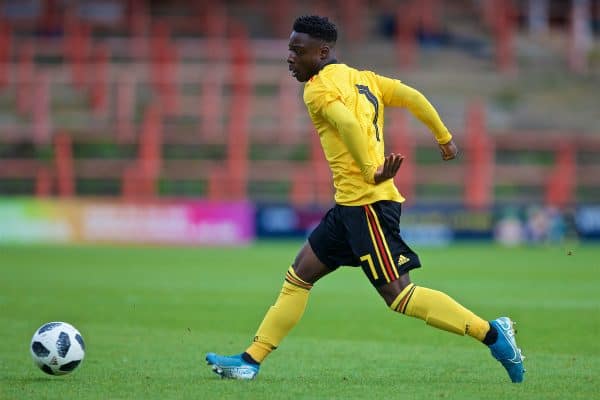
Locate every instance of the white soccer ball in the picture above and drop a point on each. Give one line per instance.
(57, 348)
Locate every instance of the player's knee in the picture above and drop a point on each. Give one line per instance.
(308, 267)
(392, 290)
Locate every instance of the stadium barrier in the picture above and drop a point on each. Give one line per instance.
(204, 223)
(443, 224)
(76, 221)
(164, 105)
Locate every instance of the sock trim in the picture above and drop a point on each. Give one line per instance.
(491, 336)
(248, 358)
(292, 278)
(400, 302)
(404, 305)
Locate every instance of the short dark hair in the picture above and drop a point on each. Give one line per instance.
(316, 27)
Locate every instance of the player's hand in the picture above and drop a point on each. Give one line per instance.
(448, 150)
(390, 166)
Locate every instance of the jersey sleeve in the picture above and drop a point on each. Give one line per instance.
(338, 115)
(387, 87)
(316, 97)
(396, 94)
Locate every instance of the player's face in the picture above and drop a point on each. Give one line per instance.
(305, 56)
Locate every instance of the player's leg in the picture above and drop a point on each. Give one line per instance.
(279, 320)
(389, 260)
(325, 245)
(325, 250)
(435, 308)
(289, 306)
(439, 310)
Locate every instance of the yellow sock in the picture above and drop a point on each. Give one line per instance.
(440, 310)
(281, 317)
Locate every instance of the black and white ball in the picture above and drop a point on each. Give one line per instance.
(57, 348)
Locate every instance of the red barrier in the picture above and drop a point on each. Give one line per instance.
(429, 15)
(323, 186)
(353, 15)
(5, 48)
(41, 109)
(302, 192)
(136, 184)
(211, 97)
(288, 109)
(150, 156)
(43, 183)
(164, 68)
(503, 20)
(580, 36)
(227, 73)
(404, 143)
(217, 185)
(64, 165)
(77, 47)
(239, 124)
(138, 23)
(406, 41)
(562, 181)
(25, 74)
(129, 188)
(99, 80)
(126, 86)
(279, 13)
(213, 19)
(479, 156)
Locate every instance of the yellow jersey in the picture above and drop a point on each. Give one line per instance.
(346, 107)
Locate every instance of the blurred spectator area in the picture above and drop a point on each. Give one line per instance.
(144, 99)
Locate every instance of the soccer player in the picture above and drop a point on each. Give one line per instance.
(346, 107)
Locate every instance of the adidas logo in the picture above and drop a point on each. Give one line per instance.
(402, 260)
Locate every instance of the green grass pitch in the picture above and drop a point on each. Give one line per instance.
(149, 315)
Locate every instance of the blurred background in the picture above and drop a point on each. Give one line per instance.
(177, 122)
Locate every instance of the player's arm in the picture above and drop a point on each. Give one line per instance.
(355, 140)
(400, 95)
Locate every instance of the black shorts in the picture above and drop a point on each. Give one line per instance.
(368, 236)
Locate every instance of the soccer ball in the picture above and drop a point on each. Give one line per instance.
(57, 348)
